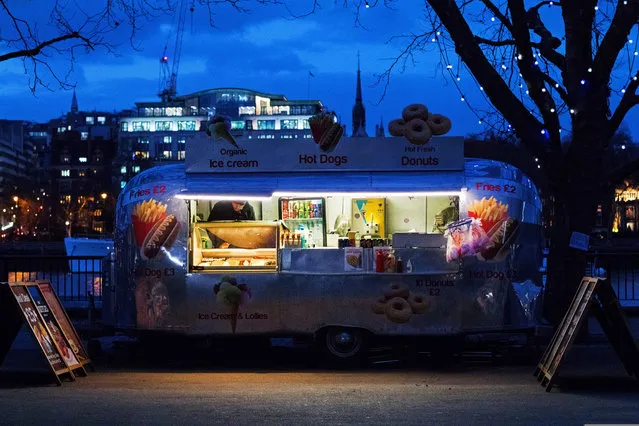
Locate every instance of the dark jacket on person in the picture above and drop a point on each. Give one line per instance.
(223, 210)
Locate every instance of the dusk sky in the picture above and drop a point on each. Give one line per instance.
(267, 51)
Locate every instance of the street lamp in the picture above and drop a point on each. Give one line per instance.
(66, 223)
(15, 198)
(103, 195)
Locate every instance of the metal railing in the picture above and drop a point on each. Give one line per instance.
(77, 280)
(621, 269)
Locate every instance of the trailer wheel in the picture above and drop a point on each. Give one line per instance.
(343, 345)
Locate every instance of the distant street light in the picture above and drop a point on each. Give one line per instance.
(15, 198)
(103, 195)
(66, 223)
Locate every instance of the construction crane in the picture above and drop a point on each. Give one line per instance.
(168, 77)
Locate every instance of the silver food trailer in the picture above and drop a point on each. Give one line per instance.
(379, 237)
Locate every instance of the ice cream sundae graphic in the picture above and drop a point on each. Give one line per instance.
(232, 295)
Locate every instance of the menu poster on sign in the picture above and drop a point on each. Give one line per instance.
(38, 329)
(59, 339)
(353, 259)
(67, 328)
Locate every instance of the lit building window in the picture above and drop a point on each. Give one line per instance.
(167, 139)
(141, 154)
(65, 173)
(81, 173)
(186, 125)
(238, 125)
(136, 169)
(265, 124)
(167, 155)
(101, 120)
(82, 159)
(67, 198)
(123, 170)
(182, 142)
(174, 111)
(247, 110)
(306, 125)
(141, 126)
(124, 126)
(90, 120)
(97, 213)
(288, 124)
(122, 184)
(66, 158)
(143, 140)
(62, 129)
(161, 126)
(84, 135)
(180, 155)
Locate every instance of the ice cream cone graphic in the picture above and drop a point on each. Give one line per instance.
(234, 310)
(230, 294)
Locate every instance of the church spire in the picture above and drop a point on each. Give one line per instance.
(359, 112)
(358, 94)
(74, 103)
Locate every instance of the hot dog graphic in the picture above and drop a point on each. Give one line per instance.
(161, 235)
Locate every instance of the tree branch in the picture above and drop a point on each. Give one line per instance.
(497, 90)
(495, 11)
(628, 100)
(626, 16)
(497, 43)
(37, 49)
(532, 75)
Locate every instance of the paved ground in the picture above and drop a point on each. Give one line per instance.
(285, 386)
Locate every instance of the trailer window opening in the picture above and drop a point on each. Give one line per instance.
(258, 227)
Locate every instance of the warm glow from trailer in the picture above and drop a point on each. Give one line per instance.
(222, 197)
(356, 194)
(319, 194)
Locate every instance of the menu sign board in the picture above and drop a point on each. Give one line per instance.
(206, 155)
(69, 332)
(39, 329)
(54, 329)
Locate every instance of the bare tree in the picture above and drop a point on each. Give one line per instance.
(576, 83)
(72, 27)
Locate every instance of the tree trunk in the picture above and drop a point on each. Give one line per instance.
(576, 195)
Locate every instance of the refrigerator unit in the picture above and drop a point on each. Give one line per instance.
(309, 213)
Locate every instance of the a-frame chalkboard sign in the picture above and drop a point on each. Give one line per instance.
(598, 295)
(25, 303)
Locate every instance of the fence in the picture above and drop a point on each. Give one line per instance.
(77, 280)
(622, 270)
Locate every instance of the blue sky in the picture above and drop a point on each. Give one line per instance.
(267, 51)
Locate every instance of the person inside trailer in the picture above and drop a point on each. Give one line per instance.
(232, 210)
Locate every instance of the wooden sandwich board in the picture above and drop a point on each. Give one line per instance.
(23, 302)
(597, 294)
(65, 324)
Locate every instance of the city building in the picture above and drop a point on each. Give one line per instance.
(157, 132)
(82, 150)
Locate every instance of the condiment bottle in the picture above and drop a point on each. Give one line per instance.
(409, 266)
(390, 262)
(379, 261)
(399, 265)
